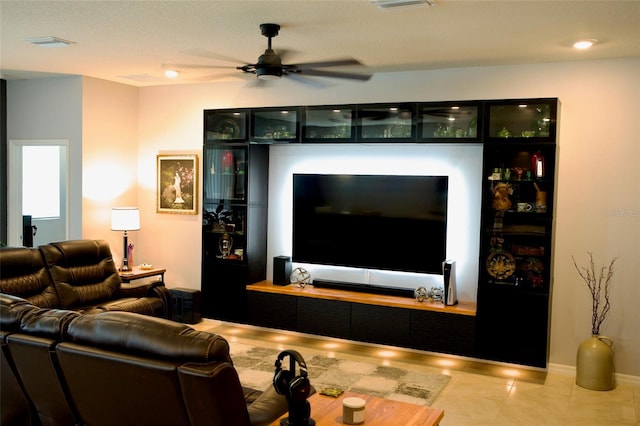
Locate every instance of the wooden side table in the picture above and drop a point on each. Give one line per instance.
(327, 411)
(137, 273)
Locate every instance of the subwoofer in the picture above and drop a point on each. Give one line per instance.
(187, 305)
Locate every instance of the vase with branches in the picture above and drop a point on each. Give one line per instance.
(599, 285)
(594, 363)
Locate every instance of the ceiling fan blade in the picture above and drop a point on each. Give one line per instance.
(333, 63)
(307, 81)
(194, 66)
(216, 77)
(216, 56)
(285, 53)
(335, 74)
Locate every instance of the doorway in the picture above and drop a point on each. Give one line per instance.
(38, 176)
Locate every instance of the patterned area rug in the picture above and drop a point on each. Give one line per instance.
(256, 364)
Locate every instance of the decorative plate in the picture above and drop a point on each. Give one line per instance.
(501, 265)
(228, 126)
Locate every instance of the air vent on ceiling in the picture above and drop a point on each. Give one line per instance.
(388, 4)
(49, 41)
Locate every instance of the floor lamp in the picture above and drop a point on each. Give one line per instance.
(125, 219)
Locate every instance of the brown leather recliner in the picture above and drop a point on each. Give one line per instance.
(15, 406)
(155, 371)
(32, 349)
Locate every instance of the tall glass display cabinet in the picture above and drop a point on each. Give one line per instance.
(234, 215)
(515, 282)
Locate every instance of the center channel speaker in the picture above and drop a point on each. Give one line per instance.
(281, 270)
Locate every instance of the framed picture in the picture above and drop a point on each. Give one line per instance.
(177, 189)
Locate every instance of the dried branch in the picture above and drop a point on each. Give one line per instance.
(597, 285)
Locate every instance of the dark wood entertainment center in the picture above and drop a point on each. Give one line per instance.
(510, 321)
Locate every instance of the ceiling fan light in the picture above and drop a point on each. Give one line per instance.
(584, 44)
(268, 77)
(269, 73)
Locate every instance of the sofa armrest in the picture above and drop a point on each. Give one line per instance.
(141, 289)
(136, 289)
(268, 407)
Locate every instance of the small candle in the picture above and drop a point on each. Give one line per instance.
(353, 411)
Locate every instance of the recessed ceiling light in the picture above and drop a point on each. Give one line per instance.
(584, 44)
(171, 73)
(49, 41)
(388, 4)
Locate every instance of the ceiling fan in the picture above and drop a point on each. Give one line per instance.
(270, 66)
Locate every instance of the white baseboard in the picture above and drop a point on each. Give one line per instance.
(570, 370)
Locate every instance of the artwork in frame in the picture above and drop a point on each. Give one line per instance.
(177, 188)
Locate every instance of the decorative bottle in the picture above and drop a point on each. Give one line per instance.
(537, 164)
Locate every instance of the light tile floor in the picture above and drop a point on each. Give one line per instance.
(480, 394)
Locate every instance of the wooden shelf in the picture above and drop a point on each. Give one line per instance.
(462, 308)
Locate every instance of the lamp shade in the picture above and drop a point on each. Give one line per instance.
(125, 219)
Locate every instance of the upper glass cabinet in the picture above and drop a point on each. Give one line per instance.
(448, 121)
(329, 124)
(274, 125)
(226, 126)
(522, 119)
(384, 123)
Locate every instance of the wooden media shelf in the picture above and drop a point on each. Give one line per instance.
(374, 318)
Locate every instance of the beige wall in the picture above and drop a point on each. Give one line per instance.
(598, 206)
(109, 158)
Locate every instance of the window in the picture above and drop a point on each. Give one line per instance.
(41, 190)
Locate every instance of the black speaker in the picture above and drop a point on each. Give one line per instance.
(281, 270)
(186, 305)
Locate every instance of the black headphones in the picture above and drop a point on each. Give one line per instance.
(285, 382)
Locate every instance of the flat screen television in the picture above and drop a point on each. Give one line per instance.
(396, 223)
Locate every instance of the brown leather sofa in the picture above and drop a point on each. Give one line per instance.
(79, 275)
(120, 368)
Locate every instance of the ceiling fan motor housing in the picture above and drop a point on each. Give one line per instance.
(269, 65)
(269, 30)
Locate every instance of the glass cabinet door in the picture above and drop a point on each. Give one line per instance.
(448, 121)
(225, 173)
(225, 126)
(329, 124)
(532, 120)
(274, 125)
(386, 123)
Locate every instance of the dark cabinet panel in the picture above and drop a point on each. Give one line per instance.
(513, 327)
(435, 332)
(272, 310)
(324, 317)
(224, 292)
(380, 324)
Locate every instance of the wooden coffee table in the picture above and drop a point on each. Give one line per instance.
(327, 411)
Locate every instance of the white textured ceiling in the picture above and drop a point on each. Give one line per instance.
(128, 41)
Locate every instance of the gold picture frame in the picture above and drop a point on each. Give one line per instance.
(177, 184)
